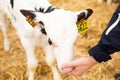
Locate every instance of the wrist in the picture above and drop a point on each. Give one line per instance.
(92, 60)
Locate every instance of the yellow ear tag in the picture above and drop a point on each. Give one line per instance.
(31, 22)
(82, 26)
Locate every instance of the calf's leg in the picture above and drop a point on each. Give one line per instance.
(51, 62)
(4, 29)
(32, 61)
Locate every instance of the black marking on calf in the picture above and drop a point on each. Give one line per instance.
(41, 23)
(43, 31)
(42, 27)
(81, 16)
(50, 42)
(90, 11)
(49, 9)
(39, 10)
(84, 15)
(12, 3)
(27, 13)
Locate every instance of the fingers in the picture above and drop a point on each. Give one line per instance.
(66, 70)
(72, 64)
(75, 65)
(77, 71)
(79, 66)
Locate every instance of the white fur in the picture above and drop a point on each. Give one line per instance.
(60, 26)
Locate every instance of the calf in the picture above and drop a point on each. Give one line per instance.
(38, 23)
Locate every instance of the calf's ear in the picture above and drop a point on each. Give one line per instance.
(30, 17)
(84, 14)
(28, 13)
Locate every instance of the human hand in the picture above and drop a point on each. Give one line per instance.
(80, 65)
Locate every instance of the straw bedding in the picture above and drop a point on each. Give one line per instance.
(13, 62)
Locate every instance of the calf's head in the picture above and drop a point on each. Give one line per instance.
(60, 26)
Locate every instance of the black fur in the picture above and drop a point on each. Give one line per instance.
(83, 15)
(41, 23)
(49, 9)
(12, 3)
(43, 31)
(50, 42)
(28, 13)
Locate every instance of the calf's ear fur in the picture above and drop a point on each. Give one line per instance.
(85, 14)
(28, 13)
(30, 17)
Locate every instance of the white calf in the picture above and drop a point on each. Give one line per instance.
(47, 26)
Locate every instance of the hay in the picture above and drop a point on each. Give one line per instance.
(13, 62)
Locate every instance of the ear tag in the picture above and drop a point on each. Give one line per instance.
(82, 26)
(31, 22)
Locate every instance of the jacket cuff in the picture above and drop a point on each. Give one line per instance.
(99, 55)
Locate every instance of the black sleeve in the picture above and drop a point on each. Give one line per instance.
(110, 40)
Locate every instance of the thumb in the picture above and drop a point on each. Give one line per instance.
(67, 67)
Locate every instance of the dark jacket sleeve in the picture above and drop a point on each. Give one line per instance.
(109, 42)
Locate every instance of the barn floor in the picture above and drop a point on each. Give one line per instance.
(13, 62)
